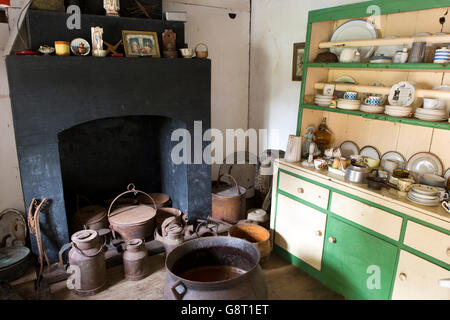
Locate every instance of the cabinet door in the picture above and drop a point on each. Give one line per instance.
(300, 230)
(418, 279)
(357, 264)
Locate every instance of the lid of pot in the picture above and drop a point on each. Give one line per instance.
(10, 256)
(89, 214)
(160, 199)
(132, 215)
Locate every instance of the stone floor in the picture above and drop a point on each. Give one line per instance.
(284, 282)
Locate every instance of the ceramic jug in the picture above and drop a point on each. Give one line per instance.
(348, 55)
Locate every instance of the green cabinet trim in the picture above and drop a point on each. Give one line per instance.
(358, 10)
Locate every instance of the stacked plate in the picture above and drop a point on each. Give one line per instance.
(348, 104)
(424, 195)
(397, 111)
(371, 108)
(431, 114)
(323, 101)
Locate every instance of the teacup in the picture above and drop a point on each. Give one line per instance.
(371, 162)
(446, 206)
(404, 184)
(372, 100)
(187, 52)
(350, 95)
(390, 165)
(430, 103)
(320, 164)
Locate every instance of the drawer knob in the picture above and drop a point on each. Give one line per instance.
(332, 240)
(300, 190)
(402, 276)
(448, 252)
(318, 233)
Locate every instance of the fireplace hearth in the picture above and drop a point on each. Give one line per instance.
(90, 126)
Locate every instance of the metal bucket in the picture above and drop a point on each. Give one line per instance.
(259, 236)
(214, 268)
(228, 204)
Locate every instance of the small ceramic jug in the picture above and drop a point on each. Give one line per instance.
(347, 55)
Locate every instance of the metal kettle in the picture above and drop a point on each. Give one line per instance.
(357, 173)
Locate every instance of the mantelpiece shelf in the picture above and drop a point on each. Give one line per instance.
(420, 93)
(385, 42)
(393, 66)
(382, 117)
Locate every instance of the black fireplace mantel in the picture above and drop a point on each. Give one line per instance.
(51, 94)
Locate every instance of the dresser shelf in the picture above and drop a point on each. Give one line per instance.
(382, 117)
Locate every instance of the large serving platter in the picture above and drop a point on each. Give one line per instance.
(424, 162)
(357, 29)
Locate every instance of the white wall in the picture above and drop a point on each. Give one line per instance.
(228, 42)
(10, 186)
(274, 98)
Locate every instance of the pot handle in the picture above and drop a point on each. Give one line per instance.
(177, 294)
(234, 180)
(130, 189)
(157, 236)
(64, 248)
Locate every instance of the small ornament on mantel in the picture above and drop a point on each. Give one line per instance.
(169, 44)
(112, 7)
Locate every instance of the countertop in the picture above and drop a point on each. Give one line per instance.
(384, 194)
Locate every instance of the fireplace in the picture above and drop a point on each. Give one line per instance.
(100, 158)
(89, 126)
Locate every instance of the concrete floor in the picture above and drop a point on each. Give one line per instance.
(284, 282)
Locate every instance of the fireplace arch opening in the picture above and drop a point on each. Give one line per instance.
(101, 157)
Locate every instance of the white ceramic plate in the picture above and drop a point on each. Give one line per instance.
(396, 113)
(347, 106)
(388, 51)
(369, 151)
(357, 29)
(394, 155)
(349, 148)
(424, 162)
(345, 79)
(431, 112)
(371, 109)
(402, 94)
(433, 204)
(430, 118)
(421, 196)
(424, 189)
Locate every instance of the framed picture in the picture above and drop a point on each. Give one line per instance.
(140, 43)
(297, 62)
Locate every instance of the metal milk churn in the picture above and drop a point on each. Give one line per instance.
(136, 262)
(87, 260)
(172, 234)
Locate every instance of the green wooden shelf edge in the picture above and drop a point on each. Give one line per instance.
(383, 117)
(385, 66)
(363, 9)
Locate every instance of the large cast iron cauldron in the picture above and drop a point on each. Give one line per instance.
(215, 268)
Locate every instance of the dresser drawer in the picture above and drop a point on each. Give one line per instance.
(372, 218)
(431, 242)
(418, 279)
(304, 190)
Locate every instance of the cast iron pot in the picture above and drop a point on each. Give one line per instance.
(216, 252)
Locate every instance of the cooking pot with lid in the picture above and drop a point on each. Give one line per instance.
(357, 173)
(135, 221)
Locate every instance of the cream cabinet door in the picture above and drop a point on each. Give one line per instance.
(417, 279)
(300, 230)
